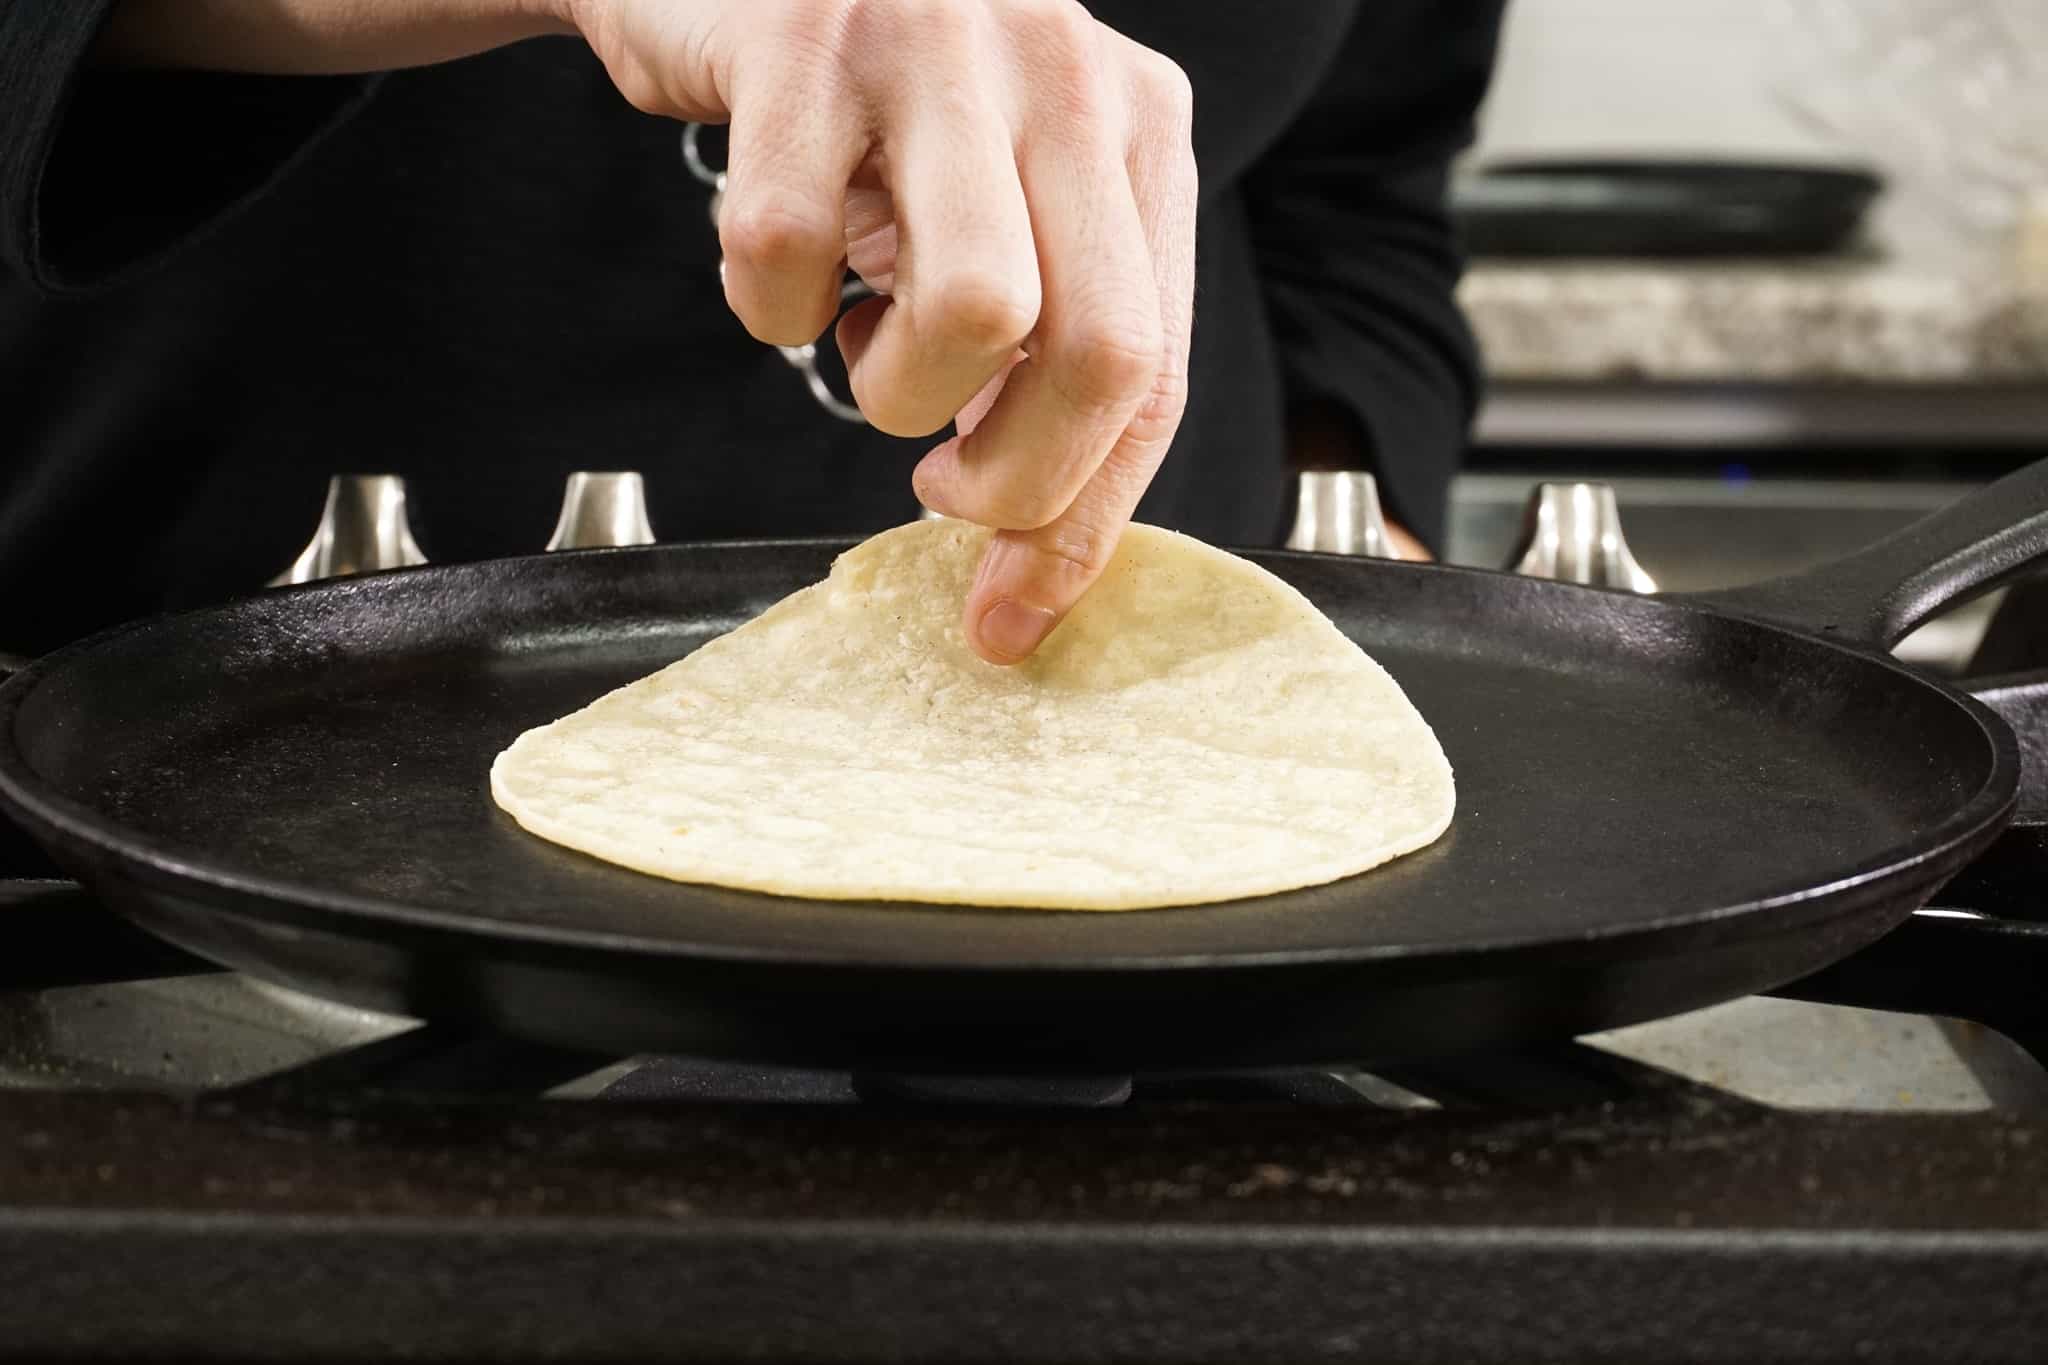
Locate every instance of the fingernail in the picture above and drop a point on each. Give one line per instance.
(927, 484)
(1011, 630)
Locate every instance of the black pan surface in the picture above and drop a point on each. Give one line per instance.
(1659, 805)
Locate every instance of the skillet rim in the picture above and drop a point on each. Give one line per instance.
(146, 861)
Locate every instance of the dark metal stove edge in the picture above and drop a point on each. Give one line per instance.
(1684, 1159)
(332, 1288)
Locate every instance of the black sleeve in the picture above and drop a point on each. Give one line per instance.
(102, 173)
(1355, 245)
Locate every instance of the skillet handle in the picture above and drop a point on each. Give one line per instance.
(1877, 595)
(2021, 701)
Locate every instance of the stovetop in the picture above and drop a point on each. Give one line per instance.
(194, 1164)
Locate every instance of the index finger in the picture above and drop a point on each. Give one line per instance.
(1031, 577)
(1090, 360)
(781, 228)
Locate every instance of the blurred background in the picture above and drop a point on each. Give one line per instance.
(1777, 270)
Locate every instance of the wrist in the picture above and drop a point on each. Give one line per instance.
(548, 16)
(495, 22)
(317, 37)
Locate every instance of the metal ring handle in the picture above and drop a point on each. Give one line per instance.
(803, 359)
(693, 158)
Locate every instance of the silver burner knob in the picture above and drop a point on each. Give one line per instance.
(602, 509)
(363, 528)
(1572, 531)
(1338, 512)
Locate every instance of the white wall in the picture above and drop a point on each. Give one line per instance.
(1949, 97)
(1633, 75)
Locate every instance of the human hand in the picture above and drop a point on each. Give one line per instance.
(1017, 180)
(1016, 177)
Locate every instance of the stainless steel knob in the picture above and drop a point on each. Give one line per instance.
(363, 528)
(602, 509)
(1572, 531)
(1338, 512)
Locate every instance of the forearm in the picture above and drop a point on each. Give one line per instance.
(317, 37)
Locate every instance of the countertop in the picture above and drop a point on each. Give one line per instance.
(1834, 323)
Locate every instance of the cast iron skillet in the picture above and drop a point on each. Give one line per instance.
(1627, 207)
(1662, 803)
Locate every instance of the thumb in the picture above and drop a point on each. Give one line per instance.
(1029, 580)
(1027, 583)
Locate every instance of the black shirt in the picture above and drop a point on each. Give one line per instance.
(216, 290)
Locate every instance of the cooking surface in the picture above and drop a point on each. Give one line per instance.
(1581, 783)
(196, 1164)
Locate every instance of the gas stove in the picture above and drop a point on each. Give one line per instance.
(196, 1164)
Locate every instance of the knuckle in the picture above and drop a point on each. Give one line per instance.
(1020, 507)
(1111, 360)
(892, 412)
(1165, 88)
(777, 230)
(644, 95)
(946, 24)
(1159, 414)
(637, 83)
(982, 311)
(1077, 544)
(883, 403)
(631, 74)
(1059, 43)
(808, 44)
(1054, 25)
(811, 25)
